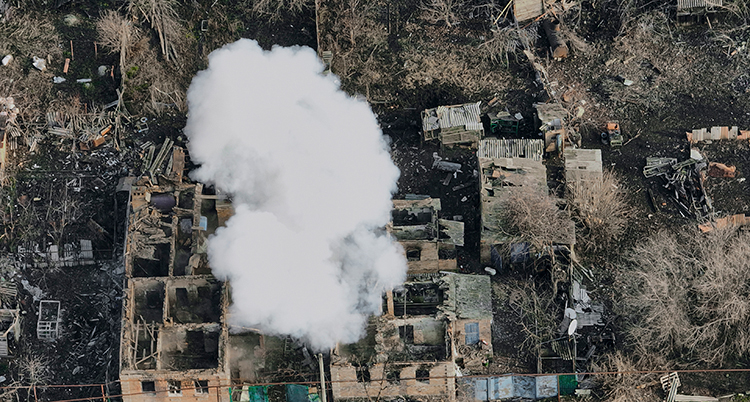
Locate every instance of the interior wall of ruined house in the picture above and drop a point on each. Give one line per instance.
(472, 354)
(431, 256)
(246, 356)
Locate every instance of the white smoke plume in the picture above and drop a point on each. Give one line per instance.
(311, 179)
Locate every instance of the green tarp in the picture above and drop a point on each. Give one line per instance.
(568, 384)
(300, 393)
(258, 393)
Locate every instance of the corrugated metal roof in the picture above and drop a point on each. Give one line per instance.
(513, 386)
(510, 148)
(688, 4)
(527, 9)
(452, 122)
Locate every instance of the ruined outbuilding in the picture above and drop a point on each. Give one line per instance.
(431, 331)
(457, 124)
(692, 10)
(499, 179)
(175, 340)
(582, 164)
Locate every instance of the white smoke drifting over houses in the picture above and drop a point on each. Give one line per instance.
(311, 179)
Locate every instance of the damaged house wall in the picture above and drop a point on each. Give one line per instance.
(174, 339)
(432, 331)
(428, 242)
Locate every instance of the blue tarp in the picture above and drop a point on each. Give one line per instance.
(513, 386)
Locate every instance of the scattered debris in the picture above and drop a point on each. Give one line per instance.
(440, 164)
(716, 169)
(7, 59)
(48, 323)
(684, 184)
(733, 220)
(58, 80)
(39, 63)
(556, 43)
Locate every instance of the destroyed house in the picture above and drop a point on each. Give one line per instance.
(175, 340)
(500, 179)
(428, 242)
(457, 124)
(431, 331)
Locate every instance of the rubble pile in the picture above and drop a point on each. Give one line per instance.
(683, 185)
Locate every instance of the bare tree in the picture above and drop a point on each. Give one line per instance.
(601, 207)
(34, 369)
(447, 11)
(163, 18)
(623, 387)
(508, 41)
(534, 216)
(688, 296)
(356, 17)
(117, 34)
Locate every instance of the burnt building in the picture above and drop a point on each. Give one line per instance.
(175, 339)
(432, 330)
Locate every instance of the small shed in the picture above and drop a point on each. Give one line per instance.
(582, 164)
(455, 124)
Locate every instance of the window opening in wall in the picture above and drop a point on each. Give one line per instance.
(174, 387)
(423, 375)
(201, 387)
(472, 333)
(393, 376)
(148, 386)
(413, 254)
(406, 333)
(363, 374)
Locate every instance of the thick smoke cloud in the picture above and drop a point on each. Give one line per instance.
(311, 180)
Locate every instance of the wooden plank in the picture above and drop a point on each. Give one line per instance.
(527, 9)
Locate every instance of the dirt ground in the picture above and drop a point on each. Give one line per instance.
(401, 61)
